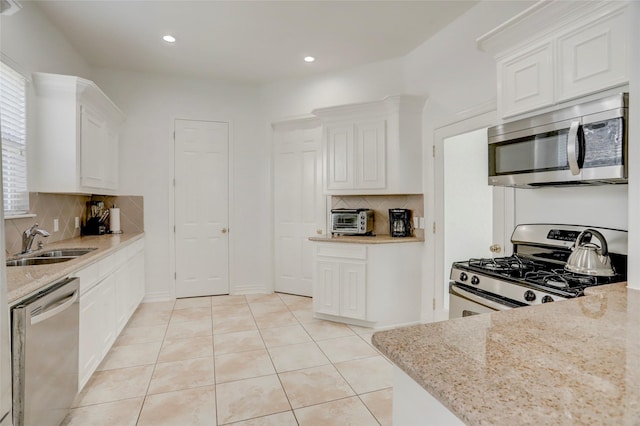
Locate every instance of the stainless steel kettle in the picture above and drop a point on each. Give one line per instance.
(588, 258)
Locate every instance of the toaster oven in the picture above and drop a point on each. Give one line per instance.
(352, 221)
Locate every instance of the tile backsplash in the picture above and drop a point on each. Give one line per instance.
(65, 208)
(380, 204)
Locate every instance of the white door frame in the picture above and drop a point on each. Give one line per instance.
(172, 200)
(503, 205)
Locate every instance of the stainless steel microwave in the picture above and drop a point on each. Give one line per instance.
(352, 221)
(585, 144)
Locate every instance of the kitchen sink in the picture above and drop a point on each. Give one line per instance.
(70, 252)
(30, 261)
(51, 256)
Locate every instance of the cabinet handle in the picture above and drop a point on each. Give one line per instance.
(495, 248)
(224, 230)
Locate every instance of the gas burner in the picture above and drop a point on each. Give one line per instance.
(559, 278)
(512, 265)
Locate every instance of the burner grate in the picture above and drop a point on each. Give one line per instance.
(511, 266)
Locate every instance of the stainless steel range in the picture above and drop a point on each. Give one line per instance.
(537, 272)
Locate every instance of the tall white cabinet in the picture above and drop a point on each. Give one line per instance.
(75, 146)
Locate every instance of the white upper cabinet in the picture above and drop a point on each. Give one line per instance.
(557, 51)
(374, 147)
(75, 147)
(525, 80)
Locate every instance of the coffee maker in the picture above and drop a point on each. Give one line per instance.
(400, 222)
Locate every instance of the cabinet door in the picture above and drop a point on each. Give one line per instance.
(108, 332)
(326, 292)
(89, 348)
(94, 140)
(111, 165)
(97, 327)
(353, 300)
(370, 155)
(593, 57)
(525, 81)
(340, 156)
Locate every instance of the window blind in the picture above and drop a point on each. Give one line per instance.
(14, 146)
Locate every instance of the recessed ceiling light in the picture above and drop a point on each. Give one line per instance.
(169, 38)
(309, 59)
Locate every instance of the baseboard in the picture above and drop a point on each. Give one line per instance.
(158, 297)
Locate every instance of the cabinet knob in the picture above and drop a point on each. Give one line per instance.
(495, 248)
(319, 231)
(224, 230)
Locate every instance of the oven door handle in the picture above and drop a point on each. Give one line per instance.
(572, 154)
(478, 299)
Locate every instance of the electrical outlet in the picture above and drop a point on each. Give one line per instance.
(416, 223)
(77, 222)
(421, 222)
(56, 225)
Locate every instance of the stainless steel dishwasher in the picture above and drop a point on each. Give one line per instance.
(44, 347)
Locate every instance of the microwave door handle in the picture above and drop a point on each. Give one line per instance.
(572, 154)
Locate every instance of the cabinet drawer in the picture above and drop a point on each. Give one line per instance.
(342, 250)
(89, 276)
(134, 248)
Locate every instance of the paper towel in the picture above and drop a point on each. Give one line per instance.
(114, 222)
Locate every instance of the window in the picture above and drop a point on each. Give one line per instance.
(14, 146)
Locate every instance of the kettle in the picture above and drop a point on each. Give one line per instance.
(588, 258)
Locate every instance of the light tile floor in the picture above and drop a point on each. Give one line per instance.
(242, 360)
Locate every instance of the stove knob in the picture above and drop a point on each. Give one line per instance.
(463, 276)
(547, 299)
(475, 280)
(529, 296)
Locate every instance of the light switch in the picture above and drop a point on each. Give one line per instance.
(77, 222)
(56, 225)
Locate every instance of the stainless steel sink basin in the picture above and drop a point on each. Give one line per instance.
(27, 261)
(51, 256)
(67, 252)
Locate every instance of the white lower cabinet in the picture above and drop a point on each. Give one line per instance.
(371, 285)
(110, 291)
(341, 289)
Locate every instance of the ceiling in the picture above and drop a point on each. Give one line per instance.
(247, 41)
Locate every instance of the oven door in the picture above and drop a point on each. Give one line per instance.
(465, 301)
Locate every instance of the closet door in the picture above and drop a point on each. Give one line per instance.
(299, 205)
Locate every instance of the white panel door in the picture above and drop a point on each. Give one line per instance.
(299, 207)
(201, 208)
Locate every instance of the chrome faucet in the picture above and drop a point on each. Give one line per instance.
(29, 235)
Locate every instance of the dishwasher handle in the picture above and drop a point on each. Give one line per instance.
(55, 307)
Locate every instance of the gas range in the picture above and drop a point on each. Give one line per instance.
(534, 274)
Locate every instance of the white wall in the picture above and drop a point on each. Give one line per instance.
(30, 39)
(366, 83)
(151, 103)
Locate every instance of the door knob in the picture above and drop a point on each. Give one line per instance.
(224, 230)
(495, 248)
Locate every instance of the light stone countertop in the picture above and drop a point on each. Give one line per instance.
(365, 239)
(25, 280)
(568, 362)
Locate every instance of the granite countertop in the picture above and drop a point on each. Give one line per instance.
(365, 239)
(25, 280)
(568, 362)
